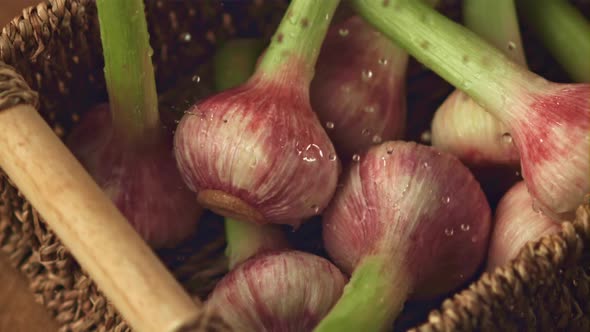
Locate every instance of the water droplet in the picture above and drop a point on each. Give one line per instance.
(366, 132)
(196, 78)
(466, 85)
(465, 227)
(315, 208)
(367, 74)
(449, 231)
(254, 162)
(369, 109)
(377, 139)
(332, 157)
(312, 152)
(389, 150)
(511, 46)
(186, 37)
(446, 199)
(356, 158)
(383, 61)
(343, 32)
(426, 136)
(330, 125)
(507, 138)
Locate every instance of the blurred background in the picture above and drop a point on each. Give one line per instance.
(18, 312)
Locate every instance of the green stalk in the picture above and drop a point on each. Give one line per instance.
(235, 62)
(299, 37)
(496, 22)
(455, 53)
(128, 68)
(245, 240)
(370, 301)
(564, 31)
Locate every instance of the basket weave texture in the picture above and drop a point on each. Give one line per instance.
(50, 57)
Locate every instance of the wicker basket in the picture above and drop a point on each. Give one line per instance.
(50, 57)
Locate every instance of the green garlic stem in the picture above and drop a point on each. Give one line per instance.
(235, 61)
(496, 22)
(128, 67)
(245, 240)
(371, 300)
(455, 53)
(299, 36)
(564, 31)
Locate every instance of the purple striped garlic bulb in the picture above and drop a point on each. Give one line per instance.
(516, 222)
(283, 291)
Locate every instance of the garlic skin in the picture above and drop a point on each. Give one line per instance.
(358, 90)
(551, 129)
(286, 291)
(142, 181)
(419, 209)
(257, 152)
(515, 224)
(461, 127)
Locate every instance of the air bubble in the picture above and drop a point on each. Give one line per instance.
(383, 61)
(196, 78)
(389, 150)
(330, 125)
(507, 138)
(367, 75)
(446, 199)
(186, 37)
(449, 231)
(426, 164)
(332, 157)
(465, 227)
(369, 109)
(366, 132)
(356, 158)
(376, 139)
(343, 32)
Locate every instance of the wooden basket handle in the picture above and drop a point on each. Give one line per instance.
(85, 219)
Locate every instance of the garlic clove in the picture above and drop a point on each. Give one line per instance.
(278, 291)
(142, 181)
(461, 127)
(358, 90)
(515, 224)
